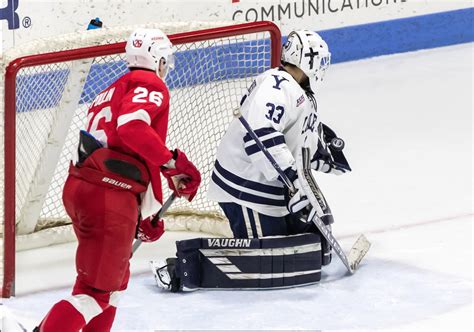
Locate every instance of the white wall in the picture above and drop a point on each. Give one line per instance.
(38, 18)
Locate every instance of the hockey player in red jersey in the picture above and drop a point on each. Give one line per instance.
(116, 182)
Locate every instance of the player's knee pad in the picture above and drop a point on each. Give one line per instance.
(273, 262)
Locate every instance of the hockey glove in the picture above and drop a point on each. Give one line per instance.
(182, 176)
(328, 166)
(297, 201)
(148, 232)
(329, 157)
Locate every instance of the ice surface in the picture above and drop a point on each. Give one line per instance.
(407, 122)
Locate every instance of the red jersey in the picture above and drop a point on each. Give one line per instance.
(131, 116)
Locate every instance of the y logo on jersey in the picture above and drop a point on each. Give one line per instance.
(9, 13)
(278, 81)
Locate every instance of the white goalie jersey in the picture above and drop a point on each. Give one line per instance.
(284, 117)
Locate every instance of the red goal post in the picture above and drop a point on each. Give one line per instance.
(236, 69)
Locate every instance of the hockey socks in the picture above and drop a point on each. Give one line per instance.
(63, 316)
(102, 322)
(88, 309)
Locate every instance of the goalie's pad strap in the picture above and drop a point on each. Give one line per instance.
(272, 262)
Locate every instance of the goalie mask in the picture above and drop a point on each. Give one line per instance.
(146, 47)
(308, 51)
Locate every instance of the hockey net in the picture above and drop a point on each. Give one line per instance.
(48, 86)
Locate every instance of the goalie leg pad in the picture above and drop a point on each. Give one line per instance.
(274, 262)
(298, 227)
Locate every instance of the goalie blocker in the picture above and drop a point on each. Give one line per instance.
(228, 263)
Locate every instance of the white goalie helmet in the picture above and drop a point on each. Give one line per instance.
(308, 51)
(145, 48)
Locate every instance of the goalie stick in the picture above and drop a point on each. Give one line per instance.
(314, 194)
(317, 200)
(155, 219)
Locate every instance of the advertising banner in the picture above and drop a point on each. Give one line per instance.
(25, 20)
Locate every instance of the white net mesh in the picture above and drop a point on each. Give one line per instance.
(52, 100)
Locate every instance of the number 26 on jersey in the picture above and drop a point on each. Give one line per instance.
(143, 96)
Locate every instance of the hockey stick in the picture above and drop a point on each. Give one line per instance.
(316, 198)
(361, 246)
(155, 219)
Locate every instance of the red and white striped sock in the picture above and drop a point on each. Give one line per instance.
(63, 316)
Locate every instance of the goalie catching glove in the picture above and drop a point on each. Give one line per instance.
(329, 157)
(182, 176)
(148, 231)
